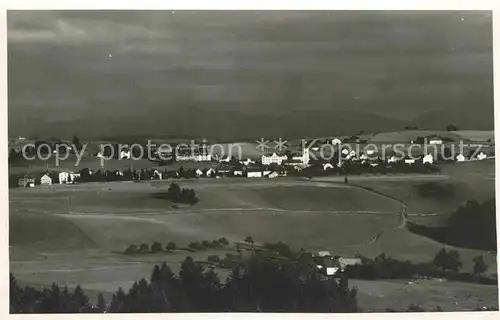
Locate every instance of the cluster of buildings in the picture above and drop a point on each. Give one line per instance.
(48, 179)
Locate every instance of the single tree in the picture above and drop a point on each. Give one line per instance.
(143, 248)
(223, 241)
(451, 127)
(249, 240)
(479, 265)
(156, 247)
(171, 246)
(101, 303)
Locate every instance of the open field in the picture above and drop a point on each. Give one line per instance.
(70, 234)
(407, 135)
(377, 296)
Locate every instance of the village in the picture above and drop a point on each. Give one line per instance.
(308, 161)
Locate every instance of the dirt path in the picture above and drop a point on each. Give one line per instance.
(403, 214)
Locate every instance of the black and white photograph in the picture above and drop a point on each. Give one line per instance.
(251, 161)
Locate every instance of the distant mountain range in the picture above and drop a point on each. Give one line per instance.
(228, 125)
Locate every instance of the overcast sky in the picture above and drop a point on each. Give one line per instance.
(65, 65)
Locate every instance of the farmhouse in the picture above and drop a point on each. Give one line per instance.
(428, 159)
(210, 172)
(460, 158)
(187, 154)
(327, 166)
(238, 173)
(26, 181)
(199, 173)
(273, 158)
(336, 141)
(435, 140)
(392, 159)
(272, 175)
(253, 172)
(68, 177)
(226, 159)
(74, 176)
(46, 180)
(63, 177)
(481, 156)
(124, 154)
(409, 161)
(247, 162)
(157, 175)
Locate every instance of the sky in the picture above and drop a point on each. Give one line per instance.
(110, 70)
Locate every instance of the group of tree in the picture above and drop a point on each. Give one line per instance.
(411, 128)
(472, 225)
(446, 264)
(155, 248)
(356, 168)
(51, 300)
(178, 195)
(253, 286)
(205, 244)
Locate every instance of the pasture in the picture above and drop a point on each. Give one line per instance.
(72, 234)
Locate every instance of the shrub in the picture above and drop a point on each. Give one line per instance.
(223, 241)
(156, 247)
(131, 249)
(171, 246)
(196, 246)
(143, 248)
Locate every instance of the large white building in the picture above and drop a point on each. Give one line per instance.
(303, 158)
(274, 158)
(68, 177)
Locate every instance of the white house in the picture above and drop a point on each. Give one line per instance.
(460, 158)
(351, 154)
(45, 180)
(392, 159)
(210, 172)
(327, 166)
(345, 152)
(428, 159)
(274, 158)
(226, 159)
(201, 157)
(370, 152)
(481, 156)
(157, 174)
(124, 154)
(199, 173)
(409, 161)
(336, 141)
(266, 172)
(435, 140)
(254, 174)
(238, 173)
(73, 176)
(272, 175)
(247, 162)
(63, 177)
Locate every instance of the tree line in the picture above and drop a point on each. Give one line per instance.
(472, 225)
(257, 285)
